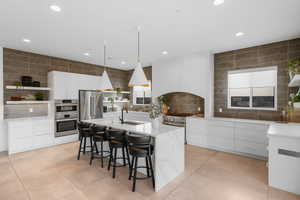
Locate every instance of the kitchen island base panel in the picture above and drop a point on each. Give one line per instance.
(169, 157)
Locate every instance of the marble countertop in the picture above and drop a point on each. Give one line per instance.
(27, 118)
(144, 129)
(236, 120)
(291, 130)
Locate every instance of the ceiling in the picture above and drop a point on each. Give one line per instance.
(180, 27)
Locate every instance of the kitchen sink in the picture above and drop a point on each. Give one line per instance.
(132, 123)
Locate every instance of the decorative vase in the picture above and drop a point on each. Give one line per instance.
(155, 123)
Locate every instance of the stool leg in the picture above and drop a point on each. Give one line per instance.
(92, 154)
(115, 162)
(101, 146)
(78, 156)
(128, 158)
(124, 158)
(131, 168)
(110, 158)
(91, 142)
(84, 145)
(147, 165)
(152, 174)
(134, 176)
(97, 151)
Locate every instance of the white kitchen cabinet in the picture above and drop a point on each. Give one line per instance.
(28, 134)
(284, 157)
(65, 85)
(237, 136)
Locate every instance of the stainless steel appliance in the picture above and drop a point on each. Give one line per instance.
(66, 117)
(90, 105)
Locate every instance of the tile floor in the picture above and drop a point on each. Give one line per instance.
(55, 174)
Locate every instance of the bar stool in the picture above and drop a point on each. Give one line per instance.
(117, 140)
(99, 135)
(140, 147)
(84, 132)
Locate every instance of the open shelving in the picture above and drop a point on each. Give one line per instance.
(26, 102)
(13, 87)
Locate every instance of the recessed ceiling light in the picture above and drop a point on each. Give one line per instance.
(164, 53)
(123, 62)
(55, 8)
(86, 54)
(239, 34)
(218, 2)
(26, 40)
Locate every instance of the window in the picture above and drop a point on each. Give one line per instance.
(253, 89)
(142, 95)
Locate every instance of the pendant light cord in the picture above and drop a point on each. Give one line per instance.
(104, 55)
(138, 58)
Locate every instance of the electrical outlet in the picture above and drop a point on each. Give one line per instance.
(31, 110)
(220, 110)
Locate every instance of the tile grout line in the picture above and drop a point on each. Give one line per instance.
(23, 185)
(182, 182)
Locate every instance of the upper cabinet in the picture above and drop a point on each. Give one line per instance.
(65, 85)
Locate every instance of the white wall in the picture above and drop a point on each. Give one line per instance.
(3, 135)
(191, 74)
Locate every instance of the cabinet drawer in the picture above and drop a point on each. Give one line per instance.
(221, 131)
(251, 148)
(251, 135)
(20, 129)
(42, 141)
(20, 145)
(41, 127)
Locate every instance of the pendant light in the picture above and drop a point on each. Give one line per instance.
(106, 84)
(138, 77)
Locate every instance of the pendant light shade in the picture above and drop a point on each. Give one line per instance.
(105, 83)
(138, 77)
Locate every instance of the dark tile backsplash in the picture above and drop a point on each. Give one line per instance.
(274, 54)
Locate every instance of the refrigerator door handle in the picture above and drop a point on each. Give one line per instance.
(91, 106)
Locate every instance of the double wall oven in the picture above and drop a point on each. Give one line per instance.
(66, 117)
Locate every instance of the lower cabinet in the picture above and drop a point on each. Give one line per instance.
(247, 138)
(29, 134)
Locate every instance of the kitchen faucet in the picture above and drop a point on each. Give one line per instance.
(122, 114)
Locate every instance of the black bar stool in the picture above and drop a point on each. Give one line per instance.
(117, 140)
(99, 135)
(140, 147)
(84, 132)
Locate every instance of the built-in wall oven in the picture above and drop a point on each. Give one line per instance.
(66, 117)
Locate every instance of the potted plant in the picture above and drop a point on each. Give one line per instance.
(154, 114)
(162, 100)
(296, 100)
(119, 94)
(294, 68)
(112, 101)
(39, 96)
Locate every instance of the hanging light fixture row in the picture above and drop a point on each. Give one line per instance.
(106, 84)
(138, 77)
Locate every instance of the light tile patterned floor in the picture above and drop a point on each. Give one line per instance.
(55, 174)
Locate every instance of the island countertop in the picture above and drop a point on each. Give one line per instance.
(145, 128)
(291, 130)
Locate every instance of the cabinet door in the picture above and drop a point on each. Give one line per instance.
(59, 85)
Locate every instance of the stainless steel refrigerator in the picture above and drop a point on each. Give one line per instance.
(90, 105)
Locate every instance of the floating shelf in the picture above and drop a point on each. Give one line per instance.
(12, 87)
(295, 82)
(116, 101)
(26, 102)
(114, 92)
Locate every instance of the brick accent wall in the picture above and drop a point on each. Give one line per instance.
(274, 54)
(19, 63)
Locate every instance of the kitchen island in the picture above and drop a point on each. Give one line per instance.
(168, 147)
